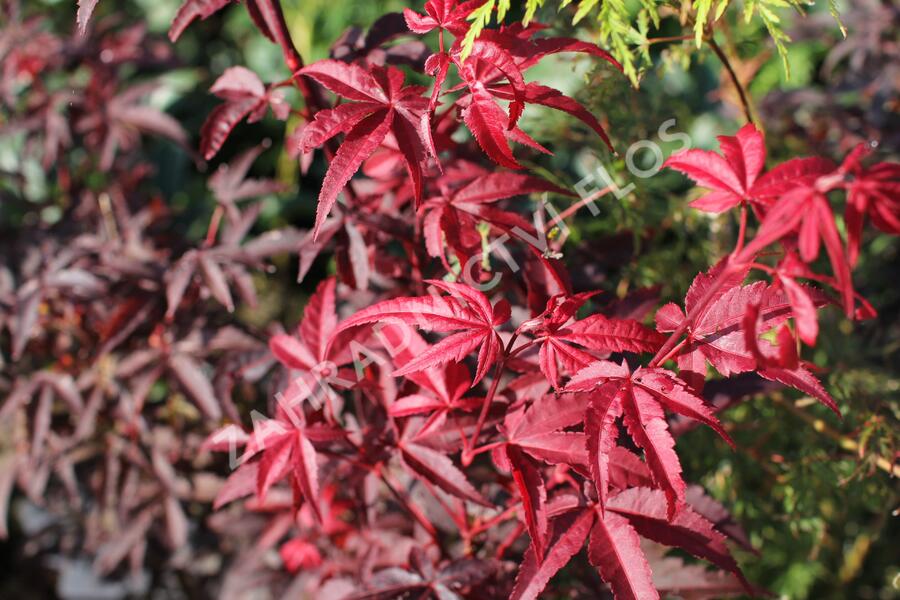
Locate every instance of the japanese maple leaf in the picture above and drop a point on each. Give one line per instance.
(55, 274)
(453, 217)
(246, 96)
(731, 175)
(527, 51)
(490, 60)
(613, 534)
(536, 93)
(183, 362)
(56, 131)
(265, 14)
(783, 178)
(230, 184)
(627, 471)
(442, 387)
(316, 351)
(487, 122)
(804, 308)
(504, 54)
(299, 553)
(386, 168)
(373, 47)
(561, 338)
(718, 334)
(803, 210)
(467, 311)
(122, 117)
(640, 399)
(436, 467)
(41, 389)
(352, 246)
(540, 432)
(448, 15)
(280, 505)
(380, 104)
(225, 262)
(674, 576)
(785, 356)
(290, 453)
(426, 580)
(538, 435)
(277, 449)
(190, 10)
(444, 15)
(873, 191)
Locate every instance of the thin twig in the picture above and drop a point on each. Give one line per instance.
(576, 207)
(672, 38)
(745, 99)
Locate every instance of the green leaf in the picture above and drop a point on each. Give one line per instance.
(480, 18)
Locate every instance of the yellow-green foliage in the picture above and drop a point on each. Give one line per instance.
(624, 25)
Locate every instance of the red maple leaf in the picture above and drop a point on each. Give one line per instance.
(446, 15)
(190, 10)
(246, 96)
(718, 335)
(526, 52)
(494, 71)
(782, 178)
(230, 184)
(380, 104)
(800, 207)
(538, 434)
(730, 176)
(873, 191)
(275, 450)
(452, 218)
(614, 548)
(562, 339)
(316, 352)
(425, 579)
(120, 119)
(467, 311)
(804, 308)
(298, 553)
(785, 355)
(436, 467)
(640, 399)
(441, 388)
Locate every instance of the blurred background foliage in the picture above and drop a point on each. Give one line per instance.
(816, 495)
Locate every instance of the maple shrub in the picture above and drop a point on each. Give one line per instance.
(450, 418)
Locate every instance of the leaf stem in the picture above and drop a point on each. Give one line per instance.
(486, 448)
(506, 515)
(742, 232)
(410, 508)
(213, 229)
(467, 454)
(672, 352)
